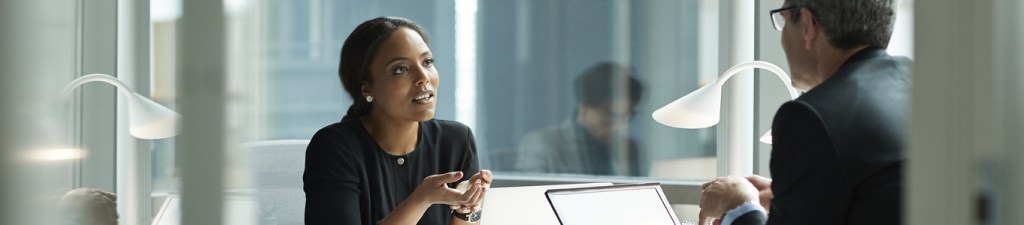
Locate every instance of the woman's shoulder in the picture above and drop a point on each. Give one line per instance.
(339, 139)
(337, 130)
(447, 125)
(334, 151)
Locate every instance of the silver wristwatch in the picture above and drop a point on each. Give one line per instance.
(472, 217)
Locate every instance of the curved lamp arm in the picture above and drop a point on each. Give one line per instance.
(701, 108)
(760, 65)
(96, 77)
(146, 119)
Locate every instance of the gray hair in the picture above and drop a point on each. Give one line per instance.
(852, 23)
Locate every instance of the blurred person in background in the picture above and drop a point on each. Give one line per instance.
(595, 141)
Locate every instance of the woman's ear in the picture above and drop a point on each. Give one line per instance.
(365, 89)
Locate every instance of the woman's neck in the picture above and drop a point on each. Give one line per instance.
(393, 136)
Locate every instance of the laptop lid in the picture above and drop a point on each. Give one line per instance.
(522, 205)
(612, 205)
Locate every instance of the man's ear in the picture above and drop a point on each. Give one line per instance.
(811, 27)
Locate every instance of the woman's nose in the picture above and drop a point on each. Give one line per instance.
(422, 75)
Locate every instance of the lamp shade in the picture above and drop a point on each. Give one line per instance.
(146, 119)
(150, 120)
(701, 108)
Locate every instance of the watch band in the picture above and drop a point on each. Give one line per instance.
(472, 217)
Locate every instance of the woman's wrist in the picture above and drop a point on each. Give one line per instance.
(471, 217)
(409, 211)
(419, 200)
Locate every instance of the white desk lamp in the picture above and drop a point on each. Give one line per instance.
(146, 119)
(700, 108)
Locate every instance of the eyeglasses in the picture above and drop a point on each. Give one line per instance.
(778, 21)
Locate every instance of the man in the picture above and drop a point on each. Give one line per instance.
(595, 141)
(839, 148)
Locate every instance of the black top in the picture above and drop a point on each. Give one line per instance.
(838, 150)
(349, 179)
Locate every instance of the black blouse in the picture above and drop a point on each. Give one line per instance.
(349, 179)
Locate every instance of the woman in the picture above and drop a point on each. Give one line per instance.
(387, 161)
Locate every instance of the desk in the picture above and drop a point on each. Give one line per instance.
(239, 209)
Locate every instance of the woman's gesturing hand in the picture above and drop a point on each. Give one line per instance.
(484, 178)
(434, 190)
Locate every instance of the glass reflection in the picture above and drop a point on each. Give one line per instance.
(595, 140)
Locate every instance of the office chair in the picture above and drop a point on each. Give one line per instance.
(277, 167)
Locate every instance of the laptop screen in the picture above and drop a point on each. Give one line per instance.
(523, 205)
(612, 205)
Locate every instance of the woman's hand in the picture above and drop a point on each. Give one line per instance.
(434, 190)
(484, 177)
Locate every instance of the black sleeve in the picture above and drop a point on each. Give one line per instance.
(751, 218)
(809, 184)
(330, 181)
(470, 163)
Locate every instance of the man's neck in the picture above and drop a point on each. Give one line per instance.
(832, 59)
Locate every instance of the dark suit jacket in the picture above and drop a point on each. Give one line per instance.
(838, 149)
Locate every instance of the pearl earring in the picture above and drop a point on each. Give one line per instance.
(369, 98)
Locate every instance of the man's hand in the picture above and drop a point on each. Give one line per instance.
(764, 190)
(723, 194)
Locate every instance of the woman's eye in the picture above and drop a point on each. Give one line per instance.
(428, 63)
(401, 70)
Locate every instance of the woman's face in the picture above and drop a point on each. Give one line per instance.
(404, 80)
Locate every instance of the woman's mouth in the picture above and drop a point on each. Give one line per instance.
(425, 97)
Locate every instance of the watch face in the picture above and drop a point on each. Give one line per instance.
(470, 217)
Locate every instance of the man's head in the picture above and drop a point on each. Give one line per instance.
(606, 94)
(815, 28)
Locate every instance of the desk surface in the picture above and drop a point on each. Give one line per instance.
(237, 210)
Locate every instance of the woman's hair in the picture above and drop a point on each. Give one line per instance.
(357, 55)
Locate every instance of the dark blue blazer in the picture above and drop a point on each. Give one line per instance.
(838, 150)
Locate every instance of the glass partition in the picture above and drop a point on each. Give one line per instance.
(566, 88)
(570, 83)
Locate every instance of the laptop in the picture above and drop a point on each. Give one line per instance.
(612, 205)
(522, 205)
